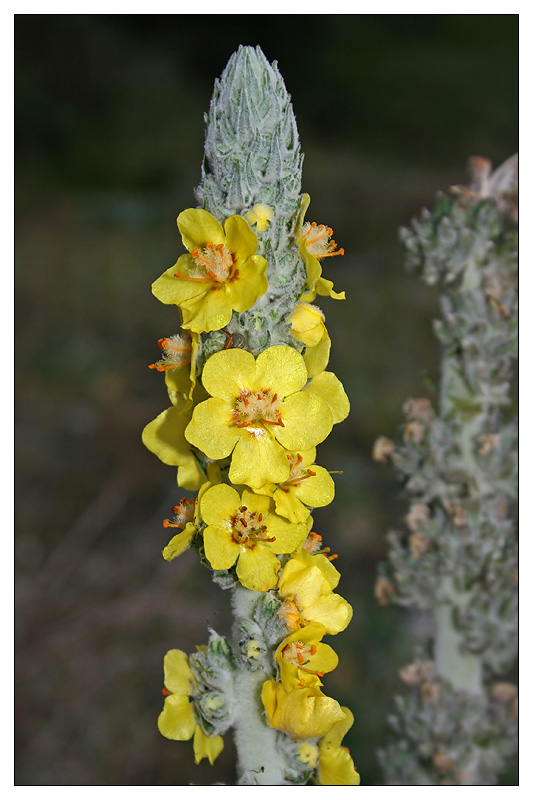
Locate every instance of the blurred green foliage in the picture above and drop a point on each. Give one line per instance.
(109, 140)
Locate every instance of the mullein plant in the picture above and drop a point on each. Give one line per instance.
(456, 559)
(250, 400)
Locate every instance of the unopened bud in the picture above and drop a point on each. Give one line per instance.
(383, 590)
(383, 449)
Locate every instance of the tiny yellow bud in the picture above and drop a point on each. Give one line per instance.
(260, 215)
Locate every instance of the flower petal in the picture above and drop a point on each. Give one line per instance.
(250, 284)
(219, 504)
(258, 459)
(317, 490)
(220, 548)
(227, 373)
(208, 313)
(288, 505)
(210, 429)
(281, 369)
(305, 424)
(197, 227)
(316, 358)
(208, 747)
(178, 675)
(257, 568)
(177, 720)
(180, 543)
(240, 238)
(329, 387)
(301, 713)
(190, 475)
(336, 768)
(169, 289)
(165, 436)
(288, 536)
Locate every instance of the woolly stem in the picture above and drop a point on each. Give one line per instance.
(259, 761)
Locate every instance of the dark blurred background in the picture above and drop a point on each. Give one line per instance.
(109, 140)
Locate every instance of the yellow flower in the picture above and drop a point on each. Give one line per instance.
(221, 273)
(306, 587)
(247, 531)
(180, 353)
(307, 485)
(326, 384)
(257, 412)
(165, 435)
(178, 719)
(260, 216)
(308, 754)
(187, 516)
(335, 767)
(315, 244)
(301, 713)
(303, 658)
(307, 324)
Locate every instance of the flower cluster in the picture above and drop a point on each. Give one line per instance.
(242, 429)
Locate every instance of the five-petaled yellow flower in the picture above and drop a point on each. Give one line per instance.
(221, 273)
(303, 658)
(178, 718)
(306, 587)
(315, 244)
(307, 485)
(335, 766)
(246, 530)
(307, 324)
(302, 712)
(257, 412)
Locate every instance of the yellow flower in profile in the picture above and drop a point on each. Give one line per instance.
(165, 435)
(326, 384)
(335, 766)
(315, 244)
(246, 530)
(220, 274)
(178, 719)
(303, 658)
(187, 516)
(306, 586)
(302, 713)
(260, 216)
(307, 324)
(307, 485)
(180, 353)
(257, 412)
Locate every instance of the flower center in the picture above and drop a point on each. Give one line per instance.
(176, 353)
(318, 240)
(214, 261)
(183, 514)
(289, 612)
(248, 527)
(297, 473)
(254, 408)
(298, 653)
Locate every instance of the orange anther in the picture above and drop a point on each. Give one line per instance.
(333, 557)
(165, 692)
(313, 649)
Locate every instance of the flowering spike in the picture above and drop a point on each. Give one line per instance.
(246, 418)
